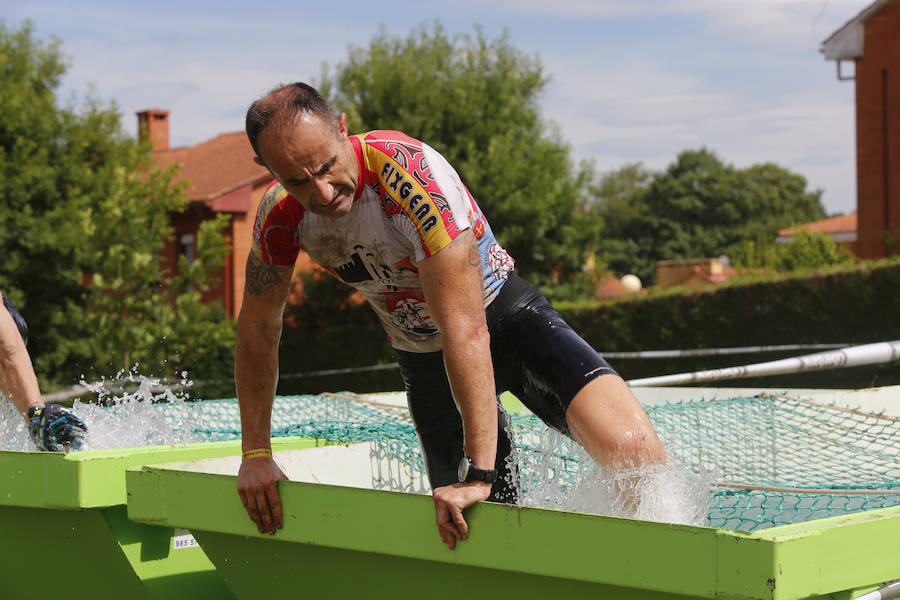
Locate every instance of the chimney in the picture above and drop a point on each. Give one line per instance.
(153, 124)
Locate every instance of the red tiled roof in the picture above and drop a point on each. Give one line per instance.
(215, 167)
(839, 224)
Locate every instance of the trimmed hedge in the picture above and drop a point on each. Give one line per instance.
(850, 305)
(342, 347)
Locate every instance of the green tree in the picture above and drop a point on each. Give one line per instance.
(474, 100)
(84, 216)
(701, 207)
(619, 200)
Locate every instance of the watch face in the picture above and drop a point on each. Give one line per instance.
(463, 469)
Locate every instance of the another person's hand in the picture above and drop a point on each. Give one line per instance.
(55, 429)
(449, 503)
(258, 488)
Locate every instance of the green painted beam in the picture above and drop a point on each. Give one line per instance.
(96, 478)
(403, 525)
(370, 531)
(255, 568)
(837, 553)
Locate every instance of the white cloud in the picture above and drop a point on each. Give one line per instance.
(797, 23)
(794, 23)
(566, 9)
(206, 80)
(636, 111)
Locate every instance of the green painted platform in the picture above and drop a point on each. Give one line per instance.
(65, 532)
(343, 538)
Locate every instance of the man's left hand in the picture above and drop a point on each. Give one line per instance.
(449, 503)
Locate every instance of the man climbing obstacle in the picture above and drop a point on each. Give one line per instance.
(388, 215)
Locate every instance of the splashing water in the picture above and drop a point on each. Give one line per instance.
(125, 419)
(13, 434)
(556, 472)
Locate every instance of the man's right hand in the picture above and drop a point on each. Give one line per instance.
(258, 488)
(54, 428)
(449, 503)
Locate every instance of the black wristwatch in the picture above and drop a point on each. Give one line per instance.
(467, 472)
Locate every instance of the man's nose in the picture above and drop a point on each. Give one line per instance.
(324, 190)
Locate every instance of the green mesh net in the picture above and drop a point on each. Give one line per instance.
(343, 418)
(775, 459)
(781, 459)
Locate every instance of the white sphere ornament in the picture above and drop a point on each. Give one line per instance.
(631, 284)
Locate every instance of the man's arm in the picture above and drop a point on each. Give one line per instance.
(256, 376)
(453, 283)
(17, 379)
(52, 427)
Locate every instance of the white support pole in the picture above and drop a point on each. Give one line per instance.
(719, 351)
(854, 356)
(887, 592)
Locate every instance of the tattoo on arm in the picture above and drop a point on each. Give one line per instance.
(263, 277)
(473, 256)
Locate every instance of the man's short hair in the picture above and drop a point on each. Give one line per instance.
(281, 106)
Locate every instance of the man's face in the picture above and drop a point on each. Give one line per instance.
(315, 163)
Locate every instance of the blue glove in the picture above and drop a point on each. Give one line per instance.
(55, 429)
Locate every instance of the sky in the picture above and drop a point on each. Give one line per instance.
(630, 81)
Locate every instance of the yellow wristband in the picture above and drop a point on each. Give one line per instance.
(258, 453)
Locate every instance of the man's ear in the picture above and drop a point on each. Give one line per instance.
(342, 124)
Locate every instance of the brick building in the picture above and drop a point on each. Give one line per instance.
(693, 273)
(222, 179)
(872, 41)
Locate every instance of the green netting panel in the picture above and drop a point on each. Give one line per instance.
(343, 417)
(806, 460)
(749, 510)
(339, 417)
(781, 441)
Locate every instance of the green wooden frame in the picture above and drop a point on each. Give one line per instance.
(344, 541)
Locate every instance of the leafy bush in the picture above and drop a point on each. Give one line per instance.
(805, 252)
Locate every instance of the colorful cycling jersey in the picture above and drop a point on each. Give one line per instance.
(409, 204)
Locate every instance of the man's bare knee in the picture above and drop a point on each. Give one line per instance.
(610, 423)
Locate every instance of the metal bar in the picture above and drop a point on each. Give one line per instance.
(797, 490)
(720, 351)
(866, 354)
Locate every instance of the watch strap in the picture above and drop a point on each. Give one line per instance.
(474, 473)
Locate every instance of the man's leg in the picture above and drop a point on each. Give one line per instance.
(440, 429)
(609, 422)
(561, 379)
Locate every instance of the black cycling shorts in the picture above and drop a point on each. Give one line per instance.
(536, 355)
